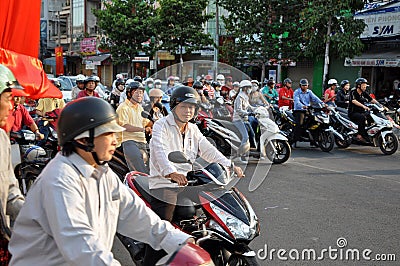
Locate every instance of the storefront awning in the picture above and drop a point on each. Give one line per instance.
(96, 59)
(389, 58)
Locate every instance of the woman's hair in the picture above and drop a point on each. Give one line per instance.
(68, 149)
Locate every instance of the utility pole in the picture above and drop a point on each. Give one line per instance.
(326, 63)
(71, 25)
(216, 38)
(59, 29)
(279, 67)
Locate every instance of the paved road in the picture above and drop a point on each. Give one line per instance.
(316, 198)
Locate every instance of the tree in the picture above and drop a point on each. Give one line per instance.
(129, 26)
(181, 25)
(263, 30)
(330, 29)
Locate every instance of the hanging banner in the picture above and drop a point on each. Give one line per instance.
(59, 61)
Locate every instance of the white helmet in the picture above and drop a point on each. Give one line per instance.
(255, 81)
(80, 78)
(96, 78)
(119, 76)
(35, 154)
(245, 83)
(157, 81)
(128, 81)
(149, 80)
(332, 82)
(220, 77)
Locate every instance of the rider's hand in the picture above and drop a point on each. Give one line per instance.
(178, 178)
(39, 136)
(238, 171)
(366, 108)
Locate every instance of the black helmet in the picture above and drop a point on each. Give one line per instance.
(90, 78)
(56, 83)
(215, 84)
(184, 94)
(344, 82)
(270, 82)
(198, 85)
(303, 82)
(83, 114)
(287, 80)
(360, 81)
(134, 85)
(138, 79)
(119, 82)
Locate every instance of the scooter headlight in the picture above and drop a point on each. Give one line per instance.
(239, 229)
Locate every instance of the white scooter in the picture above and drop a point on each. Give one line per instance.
(273, 144)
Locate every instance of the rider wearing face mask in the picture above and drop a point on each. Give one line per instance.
(241, 114)
(116, 93)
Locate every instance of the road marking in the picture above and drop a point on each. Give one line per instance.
(334, 171)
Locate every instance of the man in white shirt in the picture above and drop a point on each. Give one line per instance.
(175, 133)
(78, 203)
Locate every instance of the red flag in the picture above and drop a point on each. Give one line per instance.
(30, 74)
(19, 46)
(20, 26)
(59, 61)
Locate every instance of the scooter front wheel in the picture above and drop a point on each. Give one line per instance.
(236, 260)
(278, 151)
(326, 141)
(391, 144)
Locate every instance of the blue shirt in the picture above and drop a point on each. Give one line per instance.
(304, 99)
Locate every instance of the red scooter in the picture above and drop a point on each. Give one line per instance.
(217, 215)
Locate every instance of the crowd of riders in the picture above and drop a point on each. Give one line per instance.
(78, 203)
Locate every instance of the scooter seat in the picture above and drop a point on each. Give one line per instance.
(229, 125)
(184, 208)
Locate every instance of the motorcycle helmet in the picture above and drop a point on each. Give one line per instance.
(270, 82)
(35, 154)
(360, 81)
(215, 84)
(80, 78)
(287, 80)
(235, 84)
(157, 83)
(119, 82)
(90, 78)
(184, 94)
(134, 85)
(332, 82)
(56, 83)
(138, 79)
(9, 82)
(149, 80)
(197, 85)
(155, 93)
(344, 82)
(255, 82)
(245, 83)
(96, 78)
(81, 115)
(303, 82)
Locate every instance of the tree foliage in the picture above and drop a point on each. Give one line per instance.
(345, 29)
(181, 24)
(263, 29)
(256, 26)
(127, 24)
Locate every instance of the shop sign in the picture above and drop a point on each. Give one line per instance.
(141, 59)
(372, 62)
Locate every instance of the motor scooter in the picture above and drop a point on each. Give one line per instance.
(272, 143)
(216, 214)
(379, 131)
(316, 127)
(28, 158)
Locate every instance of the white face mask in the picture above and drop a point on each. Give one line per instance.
(150, 85)
(158, 86)
(249, 90)
(254, 88)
